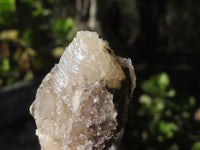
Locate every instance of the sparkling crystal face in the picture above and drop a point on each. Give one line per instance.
(75, 108)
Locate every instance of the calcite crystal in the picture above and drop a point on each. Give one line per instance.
(82, 103)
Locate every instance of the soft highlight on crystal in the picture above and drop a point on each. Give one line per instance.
(82, 103)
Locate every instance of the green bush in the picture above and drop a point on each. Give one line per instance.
(165, 119)
(63, 29)
(7, 12)
(25, 27)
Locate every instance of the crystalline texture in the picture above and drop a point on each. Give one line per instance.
(82, 103)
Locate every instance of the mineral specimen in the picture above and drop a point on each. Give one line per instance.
(82, 103)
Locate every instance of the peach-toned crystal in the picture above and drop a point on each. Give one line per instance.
(82, 103)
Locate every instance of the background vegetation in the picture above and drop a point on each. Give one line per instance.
(161, 37)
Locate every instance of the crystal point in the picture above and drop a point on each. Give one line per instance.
(82, 103)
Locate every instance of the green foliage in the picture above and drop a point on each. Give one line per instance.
(7, 12)
(26, 38)
(30, 26)
(163, 129)
(32, 21)
(5, 72)
(158, 85)
(57, 52)
(167, 117)
(5, 65)
(174, 147)
(196, 146)
(155, 105)
(191, 101)
(63, 29)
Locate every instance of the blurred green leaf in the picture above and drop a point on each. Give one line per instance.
(171, 93)
(160, 105)
(192, 101)
(185, 115)
(7, 10)
(28, 76)
(10, 81)
(196, 146)
(58, 51)
(160, 138)
(163, 81)
(174, 147)
(63, 29)
(37, 12)
(5, 65)
(145, 99)
(168, 113)
(158, 85)
(68, 24)
(162, 129)
(167, 129)
(27, 38)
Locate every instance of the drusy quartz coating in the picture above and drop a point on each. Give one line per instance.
(82, 103)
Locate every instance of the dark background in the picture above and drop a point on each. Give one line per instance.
(162, 37)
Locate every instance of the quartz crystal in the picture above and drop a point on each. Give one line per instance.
(82, 103)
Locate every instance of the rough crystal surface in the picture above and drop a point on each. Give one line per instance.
(82, 103)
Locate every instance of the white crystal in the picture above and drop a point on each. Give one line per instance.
(74, 107)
